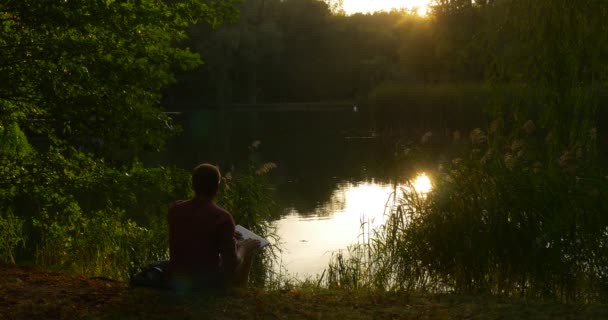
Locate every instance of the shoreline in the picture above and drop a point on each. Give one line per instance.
(28, 292)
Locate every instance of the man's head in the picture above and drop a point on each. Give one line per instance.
(206, 180)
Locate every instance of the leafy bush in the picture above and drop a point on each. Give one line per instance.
(100, 243)
(13, 140)
(11, 236)
(83, 215)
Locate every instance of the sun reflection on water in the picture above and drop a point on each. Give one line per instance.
(309, 238)
(422, 184)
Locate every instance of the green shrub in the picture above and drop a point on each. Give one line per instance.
(84, 215)
(100, 243)
(11, 236)
(90, 217)
(13, 141)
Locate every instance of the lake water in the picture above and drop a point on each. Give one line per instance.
(309, 239)
(333, 173)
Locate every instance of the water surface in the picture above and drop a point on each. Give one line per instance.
(335, 173)
(309, 239)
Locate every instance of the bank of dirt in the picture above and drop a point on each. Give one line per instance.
(29, 293)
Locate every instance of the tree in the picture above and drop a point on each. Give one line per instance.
(85, 79)
(459, 27)
(558, 48)
(265, 56)
(336, 6)
(90, 72)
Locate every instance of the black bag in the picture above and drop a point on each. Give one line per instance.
(154, 276)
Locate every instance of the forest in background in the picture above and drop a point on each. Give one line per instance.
(310, 51)
(519, 212)
(301, 51)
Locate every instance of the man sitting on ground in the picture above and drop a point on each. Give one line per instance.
(202, 246)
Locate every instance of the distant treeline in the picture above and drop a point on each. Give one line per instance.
(301, 50)
(308, 51)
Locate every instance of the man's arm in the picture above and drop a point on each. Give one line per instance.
(227, 248)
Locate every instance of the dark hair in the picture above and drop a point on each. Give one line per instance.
(205, 179)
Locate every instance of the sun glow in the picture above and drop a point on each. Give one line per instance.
(422, 184)
(365, 6)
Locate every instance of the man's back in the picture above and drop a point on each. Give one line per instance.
(201, 242)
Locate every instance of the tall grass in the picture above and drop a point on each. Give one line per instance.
(248, 196)
(383, 260)
(12, 236)
(98, 244)
(512, 221)
(81, 215)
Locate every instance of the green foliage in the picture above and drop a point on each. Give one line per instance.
(503, 222)
(86, 216)
(570, 69)
(459, 27)
(521, 213)
(11, 236)
(13, 140)
(90, 73)
(85, 78)
(497, 221)
(248, 197)
(98, 243)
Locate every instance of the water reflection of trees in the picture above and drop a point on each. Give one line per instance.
(314, 176)
(314, 151)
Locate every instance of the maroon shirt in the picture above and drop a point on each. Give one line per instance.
(201, 243)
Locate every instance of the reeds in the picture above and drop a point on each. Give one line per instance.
(248, 196)
(513, 221)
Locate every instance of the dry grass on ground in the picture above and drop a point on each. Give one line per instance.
(27, 293)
